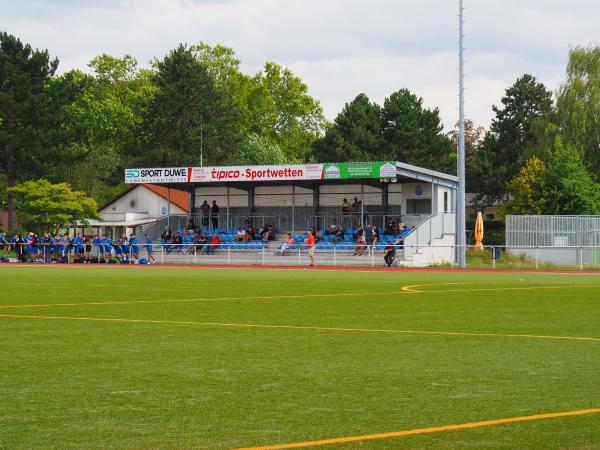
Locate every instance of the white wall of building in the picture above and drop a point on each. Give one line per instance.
(139, 203)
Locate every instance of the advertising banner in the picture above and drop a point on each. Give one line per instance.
(358, 170)
(257, 173)
(282, 172)
(157, 175)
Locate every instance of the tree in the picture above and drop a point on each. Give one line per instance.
(578, 105)
(512, 137)
(47, 207)
(414, 134)
(356, 134)
(106, 120)
(256, 150)
(526, 190)
(281, 110)
(189, 110)
(24, 110)
(274, 104)
(562, 185)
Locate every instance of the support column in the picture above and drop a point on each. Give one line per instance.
(385, 189)
(227, 221)
(192, 203)
(293, 208)
(316, 206)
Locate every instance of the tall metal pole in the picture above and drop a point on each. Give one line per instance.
(461, 241)
(201, 137)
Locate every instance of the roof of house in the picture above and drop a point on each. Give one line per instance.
(181, 199)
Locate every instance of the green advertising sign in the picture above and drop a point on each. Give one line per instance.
(349, 171)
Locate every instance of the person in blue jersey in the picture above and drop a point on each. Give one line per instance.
(118, 250)
(149, 249)
(33, 247)
(125, 249)
(135, 248)
(108, 248)
(60, 245)
(78, 248)
(50, 248)
(98, 247)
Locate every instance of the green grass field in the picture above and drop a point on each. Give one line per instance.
(196, 358)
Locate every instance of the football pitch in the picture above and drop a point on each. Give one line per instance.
(151, 357)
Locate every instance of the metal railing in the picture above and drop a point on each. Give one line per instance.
(343, 255)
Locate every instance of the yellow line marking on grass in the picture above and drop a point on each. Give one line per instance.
(403, 290)
(412, 287)
(209, 299)
(462, 426)
(298, 327)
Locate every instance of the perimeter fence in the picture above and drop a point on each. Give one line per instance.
(257, 253)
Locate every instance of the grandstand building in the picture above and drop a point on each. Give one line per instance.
(295, 197)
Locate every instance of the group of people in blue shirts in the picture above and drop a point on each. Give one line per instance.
(78, 249)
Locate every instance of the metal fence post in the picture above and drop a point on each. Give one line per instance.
(372, 256)
(263, 255)
(162, 254)
(334, 256)
(493, 257)
(580, 258)
(195, 253)
(537, 257)
(299, 257)
(229, 254)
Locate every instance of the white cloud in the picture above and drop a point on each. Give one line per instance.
(338, 47)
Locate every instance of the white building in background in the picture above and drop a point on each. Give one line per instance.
(139, 205)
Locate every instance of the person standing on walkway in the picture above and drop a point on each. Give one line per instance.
(214, 215)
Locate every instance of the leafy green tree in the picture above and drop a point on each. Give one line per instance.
(526, 190)
(256, 150)
(188, 111)
(512, 137)
(281, 110)
(48, 207)
(274, 104)
(578, 105)
(562, 185)
(106, 123)
(356, 134)
(25, 108)
(414, 134)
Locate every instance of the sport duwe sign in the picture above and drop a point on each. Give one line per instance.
(327, 171)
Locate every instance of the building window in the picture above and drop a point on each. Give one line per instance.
(445, 201)
(418, 206)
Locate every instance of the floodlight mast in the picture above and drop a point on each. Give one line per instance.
(460, 202)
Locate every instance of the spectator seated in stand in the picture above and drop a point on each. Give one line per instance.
(317, 234)
(268, 232)
(251, 233)
(287, 245)
(391, 229)
(167, 236)
(332, 229)
(202, 242)
(361, 243)
(338, 236)
(213, 244)
(241, 235)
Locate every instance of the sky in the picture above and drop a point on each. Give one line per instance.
(339, 48)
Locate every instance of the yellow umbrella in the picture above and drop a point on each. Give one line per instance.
(479, 231)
